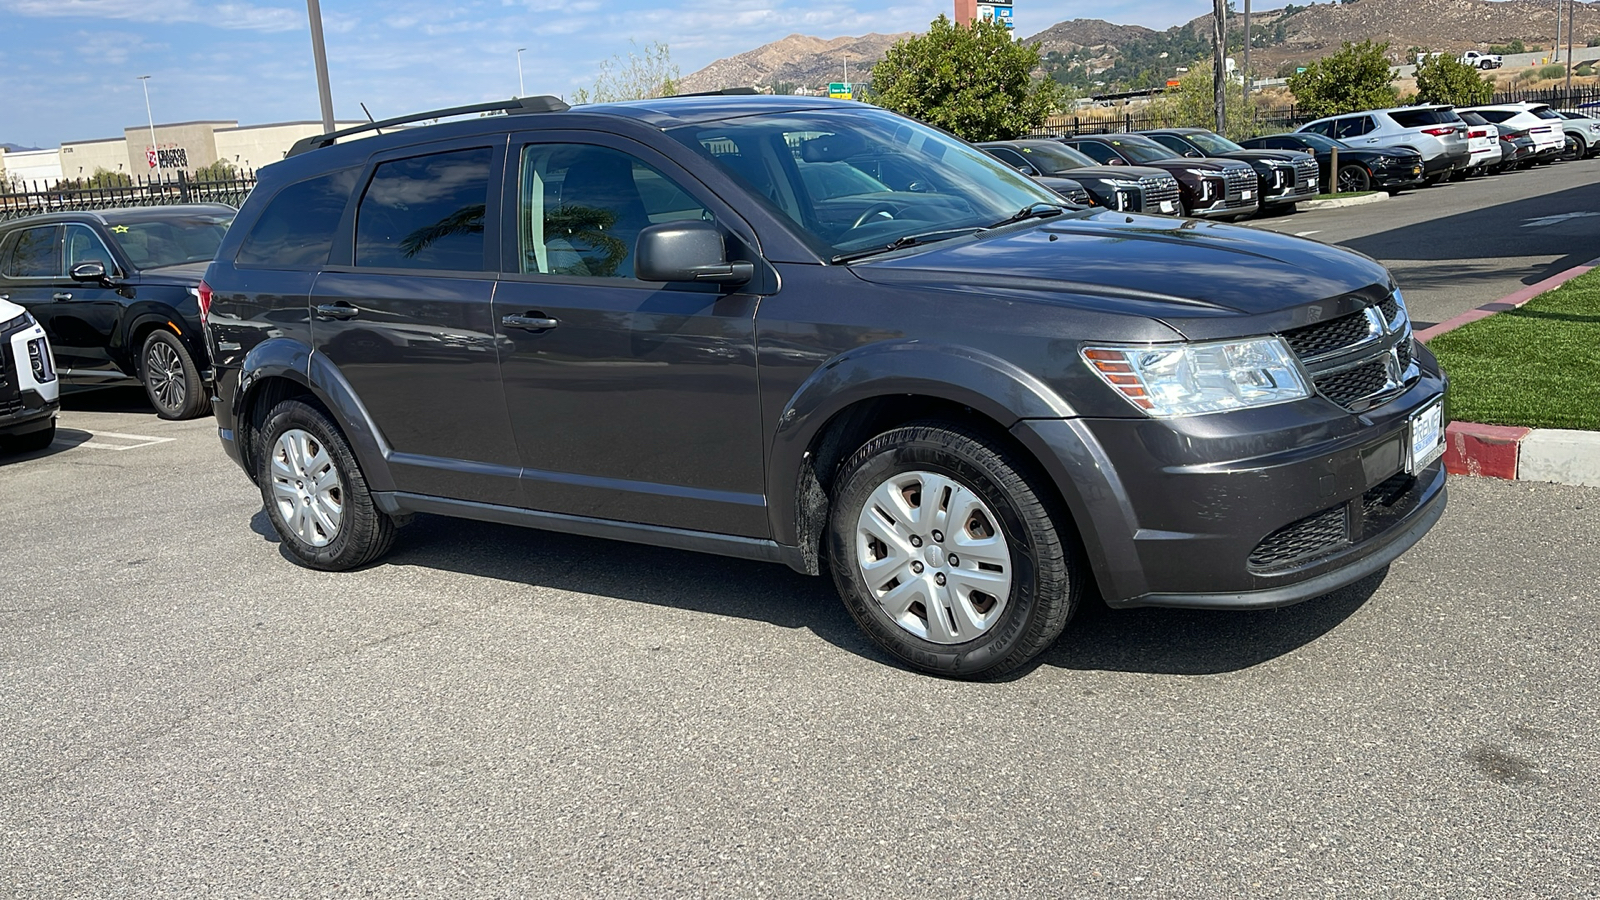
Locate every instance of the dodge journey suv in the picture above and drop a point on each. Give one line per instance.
(967, 402)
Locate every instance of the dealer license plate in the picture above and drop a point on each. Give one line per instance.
(1427, 437)
(1248, 194)
(1168, 206)
(1416, 170)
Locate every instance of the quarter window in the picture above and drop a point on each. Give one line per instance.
(296, 229)
(581, 208)
(426, 212)
(35, 254)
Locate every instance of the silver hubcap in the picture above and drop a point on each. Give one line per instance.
(933, 555)
(305, 486)
(164, 371)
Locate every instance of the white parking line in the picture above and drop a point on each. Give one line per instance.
(140, 440)
(1546, 221)
(1307, 233)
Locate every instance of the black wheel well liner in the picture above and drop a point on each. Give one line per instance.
(258, 402)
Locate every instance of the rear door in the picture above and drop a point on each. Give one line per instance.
(402, 311)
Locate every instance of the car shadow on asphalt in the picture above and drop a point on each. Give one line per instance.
(1151, 641)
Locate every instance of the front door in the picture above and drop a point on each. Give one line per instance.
(631, 401)
(403, 313)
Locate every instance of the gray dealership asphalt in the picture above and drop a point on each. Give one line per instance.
(506, 713)
(1459, 245)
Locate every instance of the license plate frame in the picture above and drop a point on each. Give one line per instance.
(1168, 206)
(1425, 437)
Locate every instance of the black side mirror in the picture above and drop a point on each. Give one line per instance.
(91, 271)
(1028, 170)
(1194, 154)
(687, 251)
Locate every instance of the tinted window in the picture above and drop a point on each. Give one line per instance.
(1544, 112)
(1495, 115)
(1098, 152)
(1008, 156)
(1175, 144)
(34, 254)
(1420, 118)
(296, 229)
(83, 245)
(1053, 159)
(581, 209)
(425, 213)
(1472, 118)
(1352, 127)
(1323, 128)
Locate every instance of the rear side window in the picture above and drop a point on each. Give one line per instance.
(425, 212)
(1421, 118)
(1352, 127)
(34, 254)
(1323, 128)
(296, 229)
(1495, 115)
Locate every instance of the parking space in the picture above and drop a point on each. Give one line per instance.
(501, 712)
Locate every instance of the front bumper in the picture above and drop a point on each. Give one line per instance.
(29, 398)
(1224, 208)
(1252, 509)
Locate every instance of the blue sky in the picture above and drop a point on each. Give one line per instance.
(68, 67)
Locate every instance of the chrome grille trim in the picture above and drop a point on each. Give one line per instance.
(1359, 360)
(1155, 190)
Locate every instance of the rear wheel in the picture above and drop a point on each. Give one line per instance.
(1575, 148)
(1354, 179)
(946, 553)
(314, 492)
(171, 379)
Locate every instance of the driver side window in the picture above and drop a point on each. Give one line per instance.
(82, 246)
(581, 208)
(1098, 152)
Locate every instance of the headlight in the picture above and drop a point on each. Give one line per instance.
(1191, 379)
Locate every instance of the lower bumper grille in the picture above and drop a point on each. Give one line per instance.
(1382, 506)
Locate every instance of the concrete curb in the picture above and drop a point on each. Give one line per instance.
(1337, 202)
(1514, 453)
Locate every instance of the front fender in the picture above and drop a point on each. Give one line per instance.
(987, 384)
(292, 360)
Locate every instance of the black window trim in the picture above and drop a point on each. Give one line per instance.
(120, 271)
(17, 236)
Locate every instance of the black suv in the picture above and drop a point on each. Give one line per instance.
(965, 400)
(117, 291)
(1283, 178)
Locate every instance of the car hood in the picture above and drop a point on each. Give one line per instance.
(183, 273)
(1193, 275)
(1131, 173)
(1209, 164)
(1279, 155)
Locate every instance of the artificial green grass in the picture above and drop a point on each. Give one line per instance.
(1344, 195)
(1537, 366)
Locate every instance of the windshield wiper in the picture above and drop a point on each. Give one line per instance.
(1031, 211)
(910, 240)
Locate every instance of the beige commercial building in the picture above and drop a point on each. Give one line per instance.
(30, 167)
(253, 146)
(81, 159)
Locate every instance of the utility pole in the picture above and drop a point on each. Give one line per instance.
(521, 91)
(155, 152)
(1247, 42)
(314, 12)
(1219, 40)
(1570, 11)
(1556, 50)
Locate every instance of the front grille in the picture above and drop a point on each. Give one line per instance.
(1156, 190)
(1237, 180)
(1347, 386)
(1306, 175)
(1332, 336)
(1306, 539)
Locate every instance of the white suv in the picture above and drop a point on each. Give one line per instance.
(1541, 123)
(29, 390)
(1433, 131)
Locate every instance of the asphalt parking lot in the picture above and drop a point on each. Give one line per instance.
(498, 712)
(1459, 245)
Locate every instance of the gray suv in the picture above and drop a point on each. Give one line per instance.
(1436, 132)
(680, 322)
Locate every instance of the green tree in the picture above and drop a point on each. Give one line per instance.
(221, 170)
(1193, 103)
(641, 75)
(1356, 77)
(1445, 79)
(105, 178)
(972, 80)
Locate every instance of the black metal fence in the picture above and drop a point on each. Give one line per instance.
(18, 199)
(1560, 98)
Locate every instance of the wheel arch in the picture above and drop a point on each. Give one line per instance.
(864, 393)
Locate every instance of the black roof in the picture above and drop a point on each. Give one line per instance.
(125, 214)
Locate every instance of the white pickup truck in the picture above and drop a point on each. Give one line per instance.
(1482, 60)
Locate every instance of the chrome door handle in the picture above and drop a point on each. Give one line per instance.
(529, 323)
(64, 295)
(337, 311)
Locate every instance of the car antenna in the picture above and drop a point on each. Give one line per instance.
(369, 116)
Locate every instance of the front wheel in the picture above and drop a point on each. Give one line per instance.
(171, 379)
(947, 554)
(314, 492)
(1354, 179)
(35, 440)
(1574, 149)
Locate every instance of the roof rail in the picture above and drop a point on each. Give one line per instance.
(724, 92)
(517, 106)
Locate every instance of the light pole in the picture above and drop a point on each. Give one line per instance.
(155, 154)
(314, 12)
(521, 91)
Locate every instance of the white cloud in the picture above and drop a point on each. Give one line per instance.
(238, 16)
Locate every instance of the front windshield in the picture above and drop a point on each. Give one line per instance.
(1320, 141)
(1140, 149)
(170, 240)
(1212, 144)
(1055, 159)
(860, 179)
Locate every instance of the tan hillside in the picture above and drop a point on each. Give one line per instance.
(797, 59)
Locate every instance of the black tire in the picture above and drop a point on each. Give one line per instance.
(1574, 149)
(171, 379)
(363, 533)
(34, 441)
(1046, 573)
(1434, 179)
(1353, 179)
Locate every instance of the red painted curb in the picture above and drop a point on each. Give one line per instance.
(1510, 301)
(1488, 450)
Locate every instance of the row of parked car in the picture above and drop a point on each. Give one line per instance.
(1194, 172)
